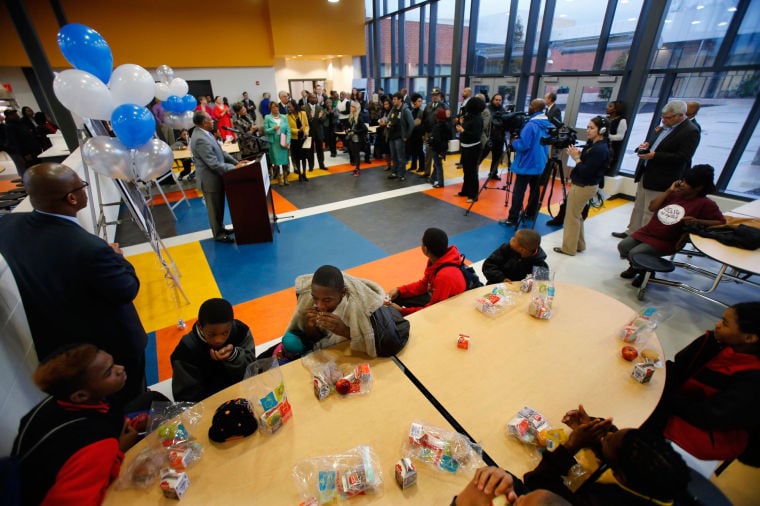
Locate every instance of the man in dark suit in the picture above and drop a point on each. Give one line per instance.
(75, 287)
(662, 162)
(314, 113)
(250, 106)
(552, 111)
(211, 162)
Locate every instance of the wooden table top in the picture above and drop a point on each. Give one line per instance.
(515, 360)
(258, 469)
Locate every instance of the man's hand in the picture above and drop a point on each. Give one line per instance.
(393, 293)
(222, 353)
(488, 482)
(115, 247)
(576, 417)
(588, 435)
(333, 323)
(646, 156)
(128, 436)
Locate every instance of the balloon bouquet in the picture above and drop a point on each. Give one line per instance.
(92, 90)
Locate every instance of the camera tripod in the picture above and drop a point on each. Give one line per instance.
(506, 186)
(552, 171)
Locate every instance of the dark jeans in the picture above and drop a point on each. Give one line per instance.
(518, 196)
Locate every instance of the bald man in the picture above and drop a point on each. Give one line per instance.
(75, 287)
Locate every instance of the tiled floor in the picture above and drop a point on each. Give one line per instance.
(371, 226)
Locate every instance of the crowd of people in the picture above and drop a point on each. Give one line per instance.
(97, 374)
(24, 136)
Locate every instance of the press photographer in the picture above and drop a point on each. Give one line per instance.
(530, 160)
(496, 132)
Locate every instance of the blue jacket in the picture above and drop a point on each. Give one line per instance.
(530, 155)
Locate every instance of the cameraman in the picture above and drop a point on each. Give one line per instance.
(495, 143)
(530, 160)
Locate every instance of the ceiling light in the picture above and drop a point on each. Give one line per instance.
(696, 22)
(700, 7)
(732, 9)
(333, 1)
(723, 23)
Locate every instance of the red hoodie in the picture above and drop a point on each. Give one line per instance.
(449, 281)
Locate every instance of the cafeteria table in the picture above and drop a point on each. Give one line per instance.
(258, 469)
(516, 360)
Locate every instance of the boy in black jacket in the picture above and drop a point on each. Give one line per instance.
(214, 355)
(516, 259)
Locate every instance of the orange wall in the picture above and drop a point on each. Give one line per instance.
(196, 33)
(316, 27)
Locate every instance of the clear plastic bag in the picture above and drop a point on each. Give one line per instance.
(638, 331)
(172, 423)
(144, 470)
(267, 394)
(331, 478)
(496, 301)
(542, 293)
(442, 449)
(328, 377)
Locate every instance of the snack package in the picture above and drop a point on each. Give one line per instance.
(542, 293)
(527, 425)
(144, 470)
(267, 394)
(643, 372)
(330, 478)
(358, 381)
(406, 474)
(496, 301)
(640, 328)
(442, 449)
(526, 285)
(463, 342)
(173, 422)
(174, 483)
(324, 371)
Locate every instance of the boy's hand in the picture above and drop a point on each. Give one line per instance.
(488, 482)
(588, 435)
(311, 317)
(128, 437)
(333, 323)
(222, 353)
(576, 417)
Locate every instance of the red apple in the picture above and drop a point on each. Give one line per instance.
(629, 353)
(342, 386)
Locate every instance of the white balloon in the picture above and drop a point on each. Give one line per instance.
(131, 84)
(186, 120)
(165, 73)
(107, 156)
(178, 87)
(152, 159)
(84, 94)
(162, 91)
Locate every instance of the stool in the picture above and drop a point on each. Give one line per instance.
(650, 264)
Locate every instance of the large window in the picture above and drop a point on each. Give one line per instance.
(705, 51)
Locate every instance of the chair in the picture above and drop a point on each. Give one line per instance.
(650, 264)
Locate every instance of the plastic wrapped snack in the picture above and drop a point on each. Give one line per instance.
(173, 422)
(542, 293)
(144, 469)
(526, 426)
(496, 301)
(331, 478)
(267, 394)
(640, 328)
(442, 449)
(324, 371)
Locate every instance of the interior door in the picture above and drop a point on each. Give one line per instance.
(581, 98)
(504, 86)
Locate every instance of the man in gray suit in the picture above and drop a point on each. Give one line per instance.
(210, 163)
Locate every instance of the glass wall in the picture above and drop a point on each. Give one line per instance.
(706, 51)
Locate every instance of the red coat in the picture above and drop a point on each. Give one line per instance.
(449, 281)
(223, 116)
(716, 407)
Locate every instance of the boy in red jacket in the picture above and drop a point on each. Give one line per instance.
(442, 278)
(71, 445)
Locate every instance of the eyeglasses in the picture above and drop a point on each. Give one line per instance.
(85, 184)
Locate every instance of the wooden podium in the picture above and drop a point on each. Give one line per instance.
(250, 200)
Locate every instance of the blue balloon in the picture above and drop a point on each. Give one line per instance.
(86, 50)
(172, 104)
(188, 103)
(134, 125)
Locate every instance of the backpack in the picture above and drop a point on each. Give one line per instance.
(391, 330)
(471, 278)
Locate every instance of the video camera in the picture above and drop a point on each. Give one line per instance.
(561, 136)
(514, 122)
